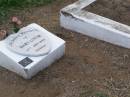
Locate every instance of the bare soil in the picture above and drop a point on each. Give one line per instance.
(118, 10)
(89, 68)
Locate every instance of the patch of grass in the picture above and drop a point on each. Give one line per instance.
(93, 94)
(23, 3)
(100, 95)
(7, 5)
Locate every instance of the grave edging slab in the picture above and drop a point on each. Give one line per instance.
(74, 18)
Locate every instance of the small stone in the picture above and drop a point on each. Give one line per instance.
(73, 81)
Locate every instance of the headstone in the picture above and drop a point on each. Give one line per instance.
(30, 42)
(30, 50)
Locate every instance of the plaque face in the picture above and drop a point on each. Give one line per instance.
(29, 42)
(26, 61)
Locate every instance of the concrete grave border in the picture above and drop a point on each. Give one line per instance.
(74, 18)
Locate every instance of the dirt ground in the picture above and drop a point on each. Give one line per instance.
(118, 10)
(89, 68)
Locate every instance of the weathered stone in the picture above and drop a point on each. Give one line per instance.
(28, 66)
(29, 41)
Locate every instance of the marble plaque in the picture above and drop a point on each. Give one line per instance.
(29, 42)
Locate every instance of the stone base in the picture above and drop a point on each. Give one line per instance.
(28, 66)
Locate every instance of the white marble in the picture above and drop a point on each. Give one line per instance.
(28, 66)
(75, 18)
(29, 42)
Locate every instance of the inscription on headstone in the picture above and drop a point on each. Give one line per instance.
(30, 42)
(25, 62)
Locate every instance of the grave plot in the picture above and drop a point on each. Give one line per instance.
(101, 19)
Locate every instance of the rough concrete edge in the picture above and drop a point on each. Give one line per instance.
(75, 11)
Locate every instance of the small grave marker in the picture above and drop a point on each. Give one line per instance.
(30, 42)
(30, 50)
